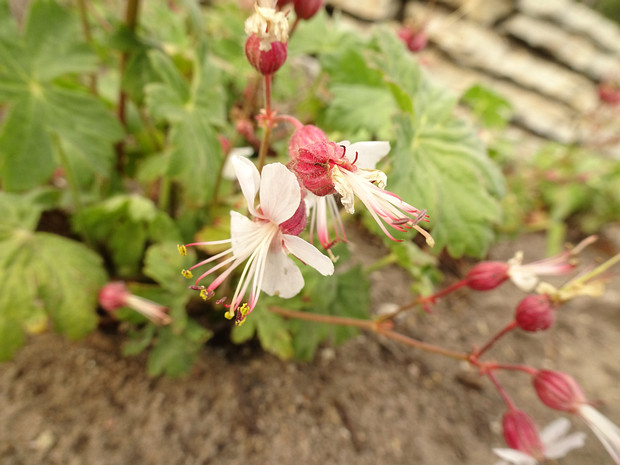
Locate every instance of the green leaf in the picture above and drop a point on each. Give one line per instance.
(344, 294)
(164, 264)
(492, 109)
(40, 110)
(125, 223)
(175, 353)
(45, 276)
(18, 212)
(194, 153)
(271, 329)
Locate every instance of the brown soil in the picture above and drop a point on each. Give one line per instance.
(371, 401)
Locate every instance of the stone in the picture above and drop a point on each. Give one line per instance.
(486, 12)
(369, 10)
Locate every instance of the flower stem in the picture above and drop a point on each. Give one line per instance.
(371, 325)
(502, 392)
(71, 180)
(88, 36)
(509, 327)
(289, 119)
(264, 145)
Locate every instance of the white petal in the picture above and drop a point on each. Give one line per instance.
(228, 172)
(280, 193)
(523, 279)
(554, 430)
(561, 447)
(606, 431)
(515, 457)
(309, 254)
(282, 277)
(368, 153)
(249, 179)
(244, 234)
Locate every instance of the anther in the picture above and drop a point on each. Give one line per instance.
(182, 249)
(187, 274)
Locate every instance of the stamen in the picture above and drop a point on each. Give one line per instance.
(401, 221)
(187, 274)
(421, 216)
(196, 288)
(182, 249)
(206, 294)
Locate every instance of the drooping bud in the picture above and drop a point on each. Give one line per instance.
(520, 433)
(487, 275)
(303, 137)
(535, 312)
(313, 166)
(296, 223)
(306, 9)
(116, 295)
(265, 62)
(558, 391)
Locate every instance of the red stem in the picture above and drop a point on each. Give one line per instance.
(509, 327)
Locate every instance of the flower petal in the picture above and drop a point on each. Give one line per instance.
(560, 447)
(282, 277)
(228, 172)
(606, 431)
(309, 254)
(368, 153)
(249, 179)
(244, 235)
(280, 193)
(515, 457)
(554, 430)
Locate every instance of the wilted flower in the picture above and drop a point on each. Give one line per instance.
(325, 168)
(264, 242)
(560, 391)
(528, 447)
(268, 24)
(116, 295)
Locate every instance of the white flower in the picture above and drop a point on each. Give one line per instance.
(606, 431)
(264, 242)
(556, 444)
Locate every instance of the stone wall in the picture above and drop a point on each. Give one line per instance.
(547, 57)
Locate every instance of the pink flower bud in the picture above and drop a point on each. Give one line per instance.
(414, 39)
(313, 166)
(520, 433)
(296, 223)
(609, 93)
(113, 296)
(558, 391)
(304, 136)
(266, 62)
(306, 9)
(534, 313)
(487, 275)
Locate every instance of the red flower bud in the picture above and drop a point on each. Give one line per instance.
(609, 93)
(414, 39)
(296, 223)
(266, 62)
(558, 390)
(306, 9)
(535, 312)
(304, 136)
(520, 433)
(487, 275)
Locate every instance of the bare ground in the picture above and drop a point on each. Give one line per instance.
(370, 401)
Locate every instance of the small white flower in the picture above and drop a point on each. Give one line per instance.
(556, 444)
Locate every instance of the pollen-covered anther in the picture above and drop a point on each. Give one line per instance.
(182, 249)
(242, 313)
(206, 294)
(187, 274)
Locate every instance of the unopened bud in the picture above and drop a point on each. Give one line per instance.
(296, 223)
(303, 137)
(534, 313)
(558, 391)
(487, 275)
(520, 433)
(414, 38)
(609, 93)
(306, 9)
(266, 62)
(116, 295)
